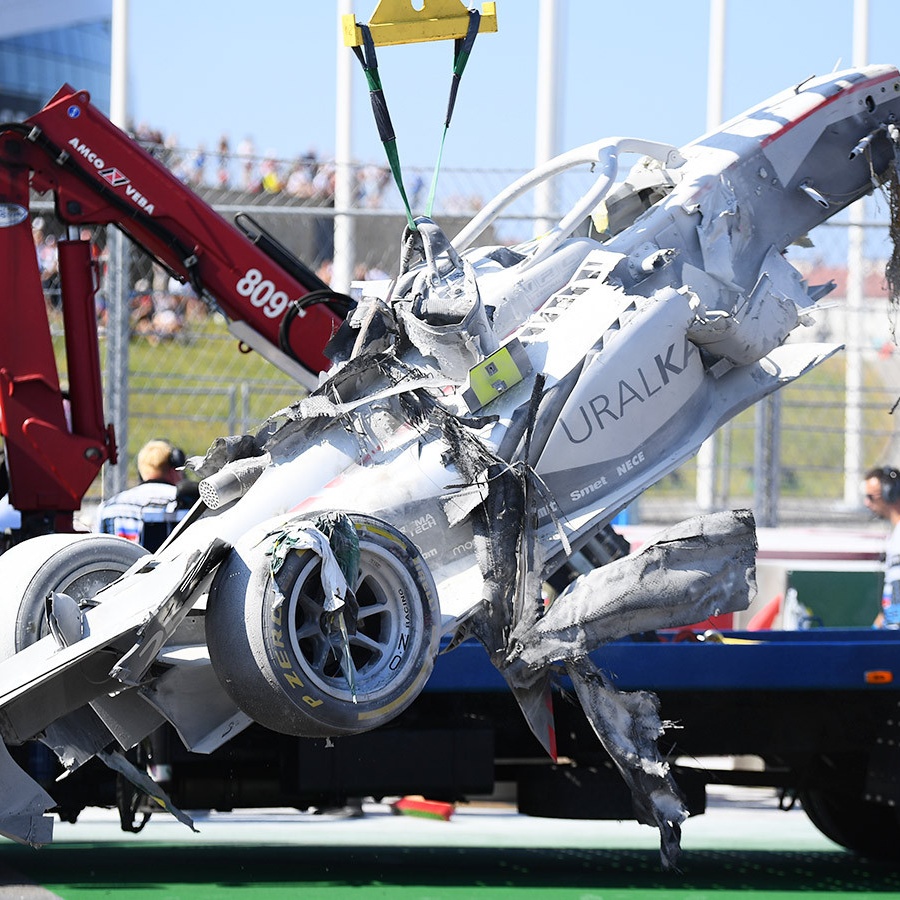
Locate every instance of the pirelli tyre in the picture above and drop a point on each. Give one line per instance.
(75, 564)
(285, 667)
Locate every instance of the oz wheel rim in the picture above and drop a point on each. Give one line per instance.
(388, 633)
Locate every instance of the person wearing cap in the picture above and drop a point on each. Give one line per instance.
(148, 512)
(881, 489)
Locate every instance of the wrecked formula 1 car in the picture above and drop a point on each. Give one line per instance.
(489, 411)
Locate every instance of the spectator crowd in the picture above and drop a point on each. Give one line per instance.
(307, 177)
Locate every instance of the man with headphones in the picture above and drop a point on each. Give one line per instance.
(149, 512)
(882, 497)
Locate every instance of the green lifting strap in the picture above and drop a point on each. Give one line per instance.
(369, 62)
(461, 52)
(367, 58)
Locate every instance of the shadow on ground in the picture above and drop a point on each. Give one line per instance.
(73, 869)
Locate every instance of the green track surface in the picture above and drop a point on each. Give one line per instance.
(179, 872)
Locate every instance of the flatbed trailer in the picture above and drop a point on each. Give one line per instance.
(818, 711)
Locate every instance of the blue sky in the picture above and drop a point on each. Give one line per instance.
(267, 69)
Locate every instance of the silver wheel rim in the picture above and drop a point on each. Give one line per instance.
(389, 627)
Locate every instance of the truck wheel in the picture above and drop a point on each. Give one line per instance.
(76, 564)
(282, 665)
(866, 828)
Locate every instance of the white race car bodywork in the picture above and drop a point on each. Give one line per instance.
(582, 369)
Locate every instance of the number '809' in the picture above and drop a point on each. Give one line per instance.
(262, 294)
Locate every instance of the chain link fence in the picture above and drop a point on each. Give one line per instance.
(190, 382)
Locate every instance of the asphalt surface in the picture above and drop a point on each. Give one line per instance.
(743, 843)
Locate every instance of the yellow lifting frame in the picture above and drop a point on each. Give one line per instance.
(398, 22)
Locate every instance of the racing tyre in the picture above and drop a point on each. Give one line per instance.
(869, 829)
(75, 564)
(287, 668)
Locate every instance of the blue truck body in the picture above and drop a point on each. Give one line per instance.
(819, 659)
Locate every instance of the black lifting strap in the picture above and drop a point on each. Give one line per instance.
(368, 60)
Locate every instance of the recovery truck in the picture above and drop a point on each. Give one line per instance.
(56, 444)
(362, 576)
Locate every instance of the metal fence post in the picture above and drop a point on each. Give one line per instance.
(767, 461)
(344, 224)
(245, 408)
(232, 409)
(853, 461)
(115, 478)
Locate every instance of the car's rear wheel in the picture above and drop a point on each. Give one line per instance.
(75, 564)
